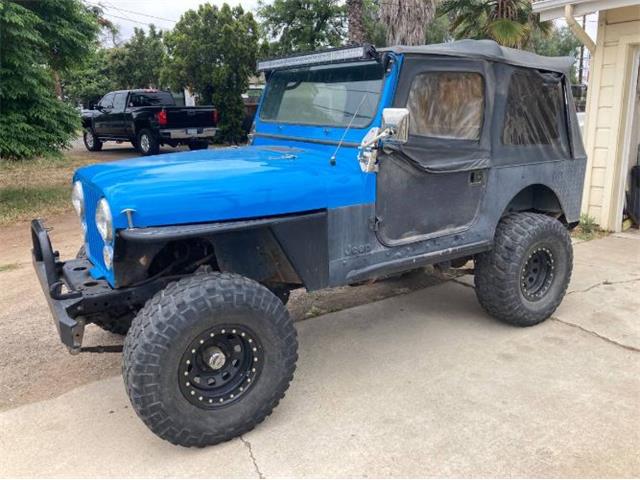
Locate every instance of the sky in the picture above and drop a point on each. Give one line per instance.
(127, 14)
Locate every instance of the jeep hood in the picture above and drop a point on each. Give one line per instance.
(230, 183)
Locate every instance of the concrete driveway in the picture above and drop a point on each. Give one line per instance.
(422, 384)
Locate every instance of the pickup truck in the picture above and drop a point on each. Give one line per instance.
(147, 119)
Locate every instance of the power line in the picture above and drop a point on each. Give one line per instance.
(140, 13)
(111, 6)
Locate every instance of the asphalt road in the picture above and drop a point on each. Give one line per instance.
(418, 384)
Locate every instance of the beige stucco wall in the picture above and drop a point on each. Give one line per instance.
(607, 104)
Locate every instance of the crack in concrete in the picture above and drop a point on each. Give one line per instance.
(598, 335)
(253, 458)
(579, 327)
(604, 282)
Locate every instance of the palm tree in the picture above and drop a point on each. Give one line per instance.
(356, 21)
(406, 20)
(508, 22)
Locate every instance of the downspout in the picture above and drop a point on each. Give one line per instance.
(577, 29)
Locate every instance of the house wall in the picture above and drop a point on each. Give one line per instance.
(607, 111)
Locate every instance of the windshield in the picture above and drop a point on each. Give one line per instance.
(327, 95)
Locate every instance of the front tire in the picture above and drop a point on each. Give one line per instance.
(91, 141)
(208, 358)
(523, 279)
(147, 143)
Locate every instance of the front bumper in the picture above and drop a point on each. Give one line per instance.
(74, 296)
(188, 133)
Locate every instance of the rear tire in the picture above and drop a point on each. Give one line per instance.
(523, 279)
(188, 337)
(147, 143)
(91, 141)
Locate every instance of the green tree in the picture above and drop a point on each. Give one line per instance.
(559, 42)
(33, 120)
(138, 63)
(375, 32)
(303, 25)
(508, 22)
(212, 51)
(88, 82)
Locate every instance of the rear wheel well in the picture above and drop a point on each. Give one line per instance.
(537, 198)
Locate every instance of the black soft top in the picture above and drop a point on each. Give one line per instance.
(488, 50)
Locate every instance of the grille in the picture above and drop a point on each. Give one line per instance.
(94, 240)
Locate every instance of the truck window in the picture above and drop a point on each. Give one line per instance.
(447, 105)
(107, 101)
(151, 99)
(535, 109)
(118, 102)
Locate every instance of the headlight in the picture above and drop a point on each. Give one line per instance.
(104, 221)
(77, 198)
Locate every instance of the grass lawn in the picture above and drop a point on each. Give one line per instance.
(39, 187)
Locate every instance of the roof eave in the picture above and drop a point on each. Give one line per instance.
(552, 9)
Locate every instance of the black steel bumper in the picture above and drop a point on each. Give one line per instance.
(69, 289)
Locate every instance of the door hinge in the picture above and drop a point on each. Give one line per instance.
(374, 224)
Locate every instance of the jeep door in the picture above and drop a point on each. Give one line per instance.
(101, 119)
(433, 185)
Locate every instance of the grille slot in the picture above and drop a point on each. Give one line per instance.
(94, 240)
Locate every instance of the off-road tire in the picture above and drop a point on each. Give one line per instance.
(174, 319)
(117, 322)
(500, 273)
(91, 141)
(147, 143)
(198, 145)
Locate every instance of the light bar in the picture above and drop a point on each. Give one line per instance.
(349, 53)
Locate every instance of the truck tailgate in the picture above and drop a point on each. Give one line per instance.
(190, 117)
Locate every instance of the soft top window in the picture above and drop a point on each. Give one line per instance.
(535, 109)
(447, 105)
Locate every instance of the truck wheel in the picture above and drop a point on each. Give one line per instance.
(198, 145)
(524, 278)
(147, 143)
(208, 358)
(91, 142)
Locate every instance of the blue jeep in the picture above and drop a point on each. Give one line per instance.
(361, 164)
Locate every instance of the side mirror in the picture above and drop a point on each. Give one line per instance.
(395, 121)
(394, 131)
(98, 107)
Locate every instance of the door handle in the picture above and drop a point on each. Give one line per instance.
(476, 177)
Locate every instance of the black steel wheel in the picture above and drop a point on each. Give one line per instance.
(220, 366)
(208, 358)
(537, 273)
(523, 279)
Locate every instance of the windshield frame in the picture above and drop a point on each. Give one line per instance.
(383, 79)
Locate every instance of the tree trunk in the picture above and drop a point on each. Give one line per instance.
(356, 28)
(406, 20)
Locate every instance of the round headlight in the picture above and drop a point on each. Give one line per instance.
(104, 221)
(77, 198)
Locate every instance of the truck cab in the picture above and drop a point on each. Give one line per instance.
(361, 164)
